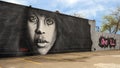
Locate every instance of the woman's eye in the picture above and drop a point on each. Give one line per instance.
(32, 19)
(49, 21)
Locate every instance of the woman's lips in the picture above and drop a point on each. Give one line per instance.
(41, 43)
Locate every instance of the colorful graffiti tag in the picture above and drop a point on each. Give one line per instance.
(107, 42)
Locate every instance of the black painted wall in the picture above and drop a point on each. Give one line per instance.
(73, 34)
(12, 19)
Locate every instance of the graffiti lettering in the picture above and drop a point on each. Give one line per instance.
(104, 41)
(107, 42)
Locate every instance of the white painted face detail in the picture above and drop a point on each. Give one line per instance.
(42, 31)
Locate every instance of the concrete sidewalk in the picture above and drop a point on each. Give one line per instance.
(101, 59)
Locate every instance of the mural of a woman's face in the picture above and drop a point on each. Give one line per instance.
(42, 32)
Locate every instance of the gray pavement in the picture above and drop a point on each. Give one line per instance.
(99, 59)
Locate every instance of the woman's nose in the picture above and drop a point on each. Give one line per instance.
(39, 32)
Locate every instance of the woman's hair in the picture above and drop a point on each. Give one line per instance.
(25, 39)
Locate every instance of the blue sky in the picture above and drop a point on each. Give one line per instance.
(90, 9)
